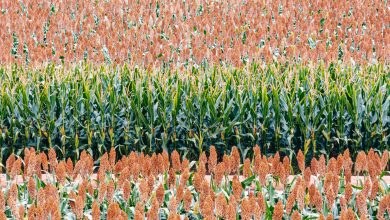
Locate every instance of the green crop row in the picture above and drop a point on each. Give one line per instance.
(279, 107)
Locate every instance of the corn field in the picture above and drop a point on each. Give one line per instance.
(167, 187)
(280, 108)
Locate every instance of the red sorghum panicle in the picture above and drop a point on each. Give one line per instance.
(112, 157)
(230, 212)
(300, 197)
(3, 216)
(61, 172)
(374, 189)
(332, 166)
(179, 193)
(281, 173)
(274, 161)
(361, 203)
(301, 161)
(2, 201)
(278, 211)
(79, 207)
(286, 165)
(330, 197)
(315, 197)
(113, 211)
(383, 205)
(185, 176)
(314, 166)
(16, 168)
(290, 203)
(343, 203)
(95, 210)
(187, 199)
(173, 216)
(44, 161)
(340, 164)
(374, 165)
(220, 205)
(172, 177)
(160, 192)
(256, 151)
(264, 170)
(166, 160)
(207, 207)
(226, 160)
(139, 210)
(348, 192)
(246, 170)
(321, 166)
(246, 209)
(21, 211)
(126, 190)
(9, 163)
(236, 187)
(235, 160)
(153, 210)
(350, 214)
(69, 167)
(102, 191)
(219, 173)
(31, 188)
(261, 202)
(384, 160)
(212, 159)
(110, 190)
(361, 162)
(12, 198)
(175, 160)
(52, 159)
(307, 176)
(173, 204)
(329, 217)
(296, 215)
(366, 187)
(185, 165)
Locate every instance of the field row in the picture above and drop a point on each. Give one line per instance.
(168, 187)
(193, 33)
(280, 108)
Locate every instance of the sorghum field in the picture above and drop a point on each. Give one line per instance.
(200, 109)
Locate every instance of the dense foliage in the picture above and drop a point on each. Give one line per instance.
(165, 187)
(279, 107)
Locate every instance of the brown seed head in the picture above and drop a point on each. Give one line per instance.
(278, 211)
(95, 210)
(237, 187)
(235, 160)
(296, 215)
(9, 163)
(301, 161)
(52, 159)
(361, 203)
(247, 168)
(175, 160)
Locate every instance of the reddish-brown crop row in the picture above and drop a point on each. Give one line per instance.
(191, 32)
(160, 186)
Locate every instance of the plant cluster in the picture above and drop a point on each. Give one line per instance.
(279, 107)
(193, 33)
(160, 186)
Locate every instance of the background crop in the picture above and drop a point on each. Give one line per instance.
(193, 33)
